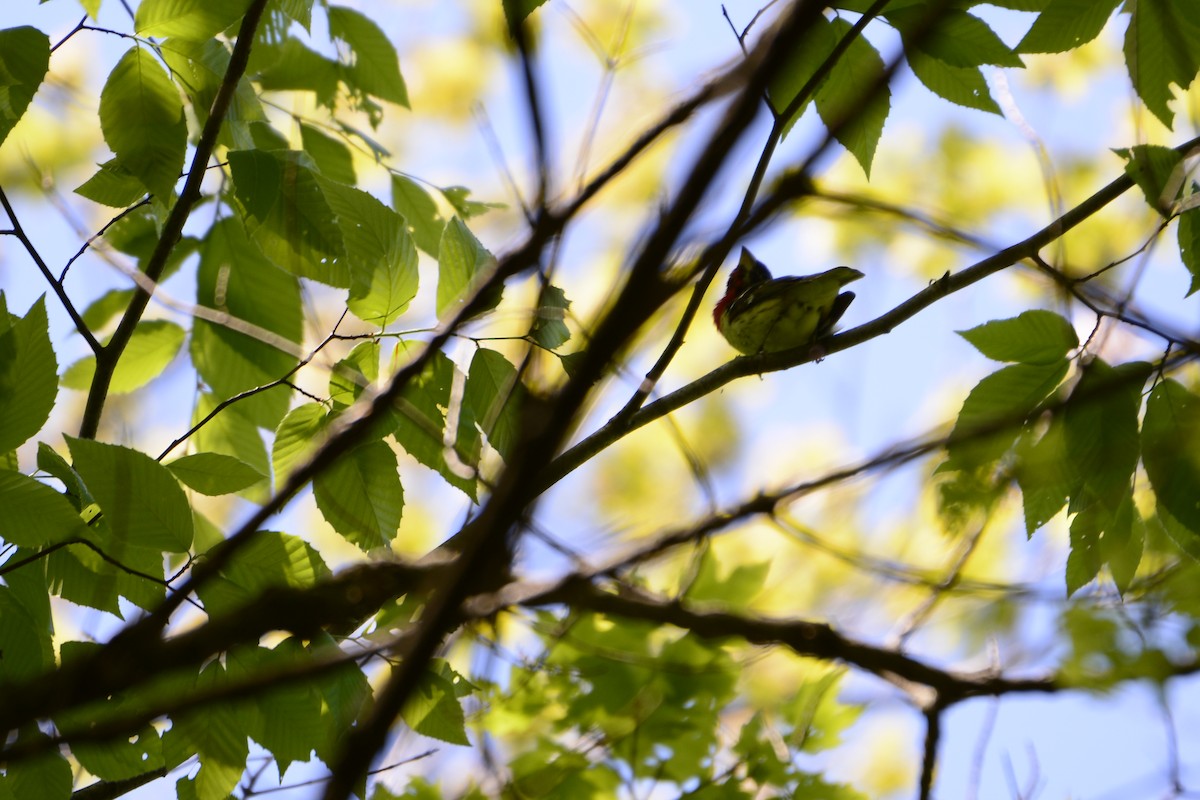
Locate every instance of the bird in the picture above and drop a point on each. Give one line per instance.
(761, 314)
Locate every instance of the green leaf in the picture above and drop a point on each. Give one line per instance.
(142, 502)
(1045, 474)
(995, 411)
(420, 212)
(734, 587)
(112, 185)
(380, 253)
(24, 642)
(1171, 451)
(235, 279)
(188, 19)
(800, 64)
(142, 119)
(354, 373)
(153, 346)
(24, 61)
(231, 433)
(300, 432)
(1152, 168)
(956, 37)
(1121, 543)
(214, 474)
(463, 264)
(292, 721)
(269, 559)
(33, 514)
(515, 11)
(842, 100)
(28, 374)
(1189, 246)
(1101, 425)
(459, 197)
(1162, 46)
(1066, 24)
(106, 307)
(964, 86)
(420, 420)
(121, 758)
(46, 776)
(491, 401)
(434, 710)
(360, 495)
(1084, 560)
(332, 157)
(289, 216)
(549, 327)
(291, 66)
(374, 68)
(199, 68)
(1033, 337)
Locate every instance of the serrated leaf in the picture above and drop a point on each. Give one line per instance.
(188, 19)
(433, 709)
(143, 504)
(492, 401)
(995, 410)
(120, 758)
(231, 433)
(1101, 425)
(420, 422)
(1162, 46)
(112, 185)
(855, 117)
(46, 776)
(1045, 474)
(374, 68)
(233, 277)
(24, 61)
(289, 215)
(1033, 337)
(214, 474)
(33, 514)
(28, 375)
(357, 371)
(549, 327)
(269, 559)
(1121, 543)
(800, 64)
(1084, 560)
(463, 264)
(964, 86)
(142, 119)
(1171, 451)
(1189, 246)
(459, 197)
(299, 433)
(1066, 24)
(332, 157)
(153, 346)
(956, 37)
(360, 495)
(420, 212)
(381, 255)
(1152, 168)
(292, 66)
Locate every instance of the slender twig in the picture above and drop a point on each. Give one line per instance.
(19, 231)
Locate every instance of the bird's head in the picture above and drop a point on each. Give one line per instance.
(748, 272)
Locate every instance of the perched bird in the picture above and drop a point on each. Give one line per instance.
(761, 314)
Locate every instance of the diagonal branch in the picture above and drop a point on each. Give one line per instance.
(172, 229)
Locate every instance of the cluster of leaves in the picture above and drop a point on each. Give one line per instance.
(945, 46)
(108, 527)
